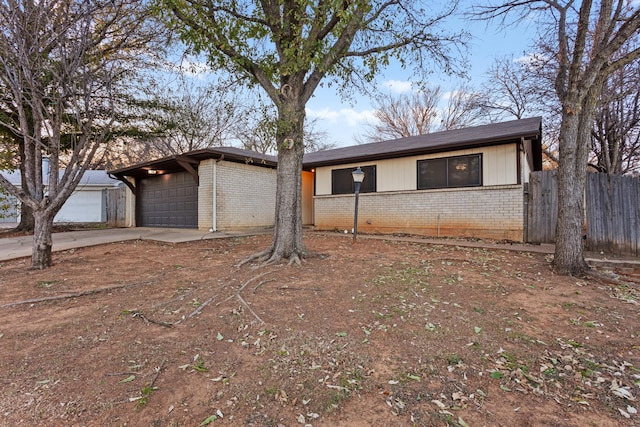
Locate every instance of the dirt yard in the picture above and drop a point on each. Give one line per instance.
(383, 333)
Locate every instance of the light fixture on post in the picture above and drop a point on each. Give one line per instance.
(358, 177)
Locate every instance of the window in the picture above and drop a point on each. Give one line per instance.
(342, 181)
(448, 172)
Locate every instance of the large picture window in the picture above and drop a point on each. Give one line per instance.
(342, 180)
(450, 172)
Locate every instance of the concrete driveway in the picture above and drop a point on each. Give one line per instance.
(19, 247)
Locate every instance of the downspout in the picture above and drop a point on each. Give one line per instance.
(214, 225)
(524, 181)
(131, 207)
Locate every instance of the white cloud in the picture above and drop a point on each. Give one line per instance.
(323, 114)
(530, 59)
(356, 118)
(398, 86)
(345, 116)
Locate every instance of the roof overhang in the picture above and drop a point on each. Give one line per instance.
(474, 137)
(182, 162)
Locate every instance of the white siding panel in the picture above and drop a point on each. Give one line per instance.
(323, 181)
(499, 167)
(396, 174)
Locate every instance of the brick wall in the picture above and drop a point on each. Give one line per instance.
(486, 212)
(245, 195)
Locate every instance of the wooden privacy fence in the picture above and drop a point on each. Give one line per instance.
(115, 205)
(612, 211)
(542, 215)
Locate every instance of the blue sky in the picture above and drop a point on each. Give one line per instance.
(343, 120)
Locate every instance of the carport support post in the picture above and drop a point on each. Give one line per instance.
(358, 177)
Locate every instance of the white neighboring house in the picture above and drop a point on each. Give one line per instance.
(87, 203)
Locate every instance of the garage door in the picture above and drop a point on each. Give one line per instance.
(169, 200)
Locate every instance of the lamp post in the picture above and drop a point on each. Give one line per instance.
(358, 177)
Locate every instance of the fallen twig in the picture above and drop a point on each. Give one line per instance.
(73, 295)
(158, 370)
(118, 374)
(136, 313)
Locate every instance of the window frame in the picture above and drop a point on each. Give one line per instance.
(421, 185)
(368, 185)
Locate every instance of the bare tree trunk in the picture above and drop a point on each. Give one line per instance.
(287, 238)
(42, 239)
(575, 140)
(569, 250)
(288, 242)
(27, 221)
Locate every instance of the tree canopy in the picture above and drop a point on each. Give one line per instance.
(289, 47)
(63, 68)
(587, 43)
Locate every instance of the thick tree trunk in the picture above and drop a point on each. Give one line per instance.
(572, 173)
(287, 237)
(288, 242)
(27, 221)
(42, 240)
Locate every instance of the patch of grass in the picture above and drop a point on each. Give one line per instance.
(200, 366)
(46, 284)
(146, 394)
(453, 359)
(574, 344)
(517, 337)
(497, 375)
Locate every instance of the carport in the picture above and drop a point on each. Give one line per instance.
(201, 189)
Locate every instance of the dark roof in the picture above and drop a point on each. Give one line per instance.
(477, 136)
(172, 163)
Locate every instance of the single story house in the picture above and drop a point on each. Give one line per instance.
(87, 204)
(459, 183)
(467, 182)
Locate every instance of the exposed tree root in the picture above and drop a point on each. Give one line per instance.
(611, 278)
(255, 288)
(198, 310)
(178, 298)
(260, 256)
(289, 288)
(75, 294)
(270, 257)
(295, 259)
(242, 300)
(140, 315)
